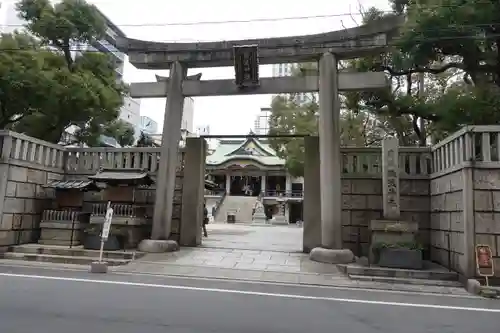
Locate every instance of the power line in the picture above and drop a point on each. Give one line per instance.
(257, 20)
(196, 23)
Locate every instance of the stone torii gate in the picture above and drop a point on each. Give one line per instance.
(246, 55)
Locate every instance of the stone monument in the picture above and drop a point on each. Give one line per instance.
(390, 230)
(280, 217)
(259, 216)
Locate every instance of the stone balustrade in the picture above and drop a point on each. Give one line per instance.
(25, 150)
(414, 162)
(478, 144)
(89, 160)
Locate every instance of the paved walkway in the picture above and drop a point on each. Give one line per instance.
(251, 237)
(260, 248)
(244, 252)
(257, 253)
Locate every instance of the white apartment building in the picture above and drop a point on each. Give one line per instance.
(203, 130)
(287, 70)
(188, 115)
(261, 123)
(131, 113)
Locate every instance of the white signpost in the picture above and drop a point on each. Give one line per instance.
(105, 229)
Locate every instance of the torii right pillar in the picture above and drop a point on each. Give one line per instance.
(330, 166)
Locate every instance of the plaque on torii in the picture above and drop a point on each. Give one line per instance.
(246, 66)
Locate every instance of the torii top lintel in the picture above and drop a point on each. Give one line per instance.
(347, 43)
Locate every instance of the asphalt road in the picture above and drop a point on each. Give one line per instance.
(37, 300)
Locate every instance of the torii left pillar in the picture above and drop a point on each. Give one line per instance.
(330, 250)
(165, 184)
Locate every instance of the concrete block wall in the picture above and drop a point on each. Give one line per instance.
(487, 211)
(447, 224)
(362, 202)
(26, 165)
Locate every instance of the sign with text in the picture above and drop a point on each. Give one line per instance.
(246, 65)
(484, 260)
(107, 224)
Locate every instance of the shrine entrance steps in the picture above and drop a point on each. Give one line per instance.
(241, 206)
(65, 255)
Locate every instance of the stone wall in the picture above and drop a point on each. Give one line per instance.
(447, 222)
(25, 165)
(487, 211)
(362, 202)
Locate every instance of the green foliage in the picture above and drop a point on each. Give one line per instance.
(441, 42)
(25, 77)
(287, 117)
(454, 28)
(452, 45)
(145, 141)
(50, 90)
(122, 131)
(455, 41)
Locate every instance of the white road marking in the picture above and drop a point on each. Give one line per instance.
(247, 281)
(254, 293)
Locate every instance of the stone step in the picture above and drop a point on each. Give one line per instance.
(397, 280)
(402, 273)
(75, 251)
(60, 259)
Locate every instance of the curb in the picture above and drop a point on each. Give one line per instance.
(353, 286)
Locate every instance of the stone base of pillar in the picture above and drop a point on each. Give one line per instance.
(98, 267)
(279, 219)
(259, 218)
(331, 256)
(157, 246)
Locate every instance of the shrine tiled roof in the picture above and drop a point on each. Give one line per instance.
(249, 149)
(73, 184)
(123, 176)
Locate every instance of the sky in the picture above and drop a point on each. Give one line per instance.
(161, 20)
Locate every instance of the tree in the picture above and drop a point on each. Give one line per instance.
(122, 131)
(145, 141)
(465, 39)
(64, 91)
(289, 116)
(455, 46)
(25, 79)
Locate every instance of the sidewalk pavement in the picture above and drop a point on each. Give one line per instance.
(261, 266)
(251, 253)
